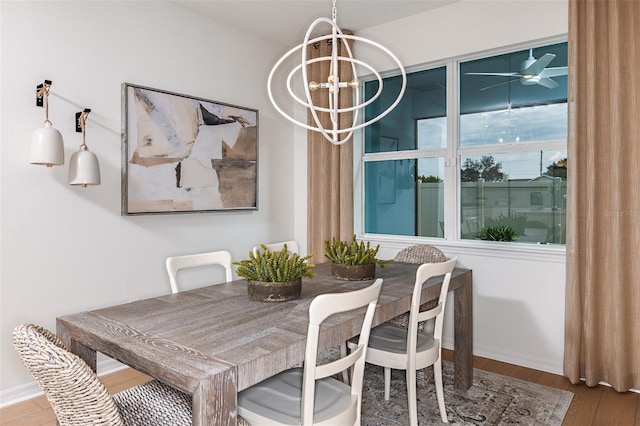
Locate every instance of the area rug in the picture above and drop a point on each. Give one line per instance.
(492, 400)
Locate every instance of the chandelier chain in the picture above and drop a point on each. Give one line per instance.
(334, 12)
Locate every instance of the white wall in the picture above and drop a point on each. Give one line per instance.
(67, 249)
(518, 296)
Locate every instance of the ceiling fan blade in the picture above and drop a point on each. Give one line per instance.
(539, 65)
(547, 82)
(553, 72)
(500, 74)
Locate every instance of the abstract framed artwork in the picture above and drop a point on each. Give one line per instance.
(183, 154)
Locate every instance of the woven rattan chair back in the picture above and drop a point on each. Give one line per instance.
(421, 253)
(73, 389)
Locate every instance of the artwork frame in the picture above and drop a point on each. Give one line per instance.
(186, 154)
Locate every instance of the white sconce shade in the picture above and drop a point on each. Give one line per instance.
(47, 147)
(84, 168)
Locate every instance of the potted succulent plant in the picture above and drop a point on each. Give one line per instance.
(352, 260)
(497, 233)
(274, 276)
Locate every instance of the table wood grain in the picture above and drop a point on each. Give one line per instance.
(213, 342)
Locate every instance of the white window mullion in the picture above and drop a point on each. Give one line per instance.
(452, 167)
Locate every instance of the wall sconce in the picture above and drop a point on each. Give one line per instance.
(83, 167)
(47, 147)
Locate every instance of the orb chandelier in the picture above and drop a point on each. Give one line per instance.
(333, 83)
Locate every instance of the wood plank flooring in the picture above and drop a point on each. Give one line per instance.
(599, 406)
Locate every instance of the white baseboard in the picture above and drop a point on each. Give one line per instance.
(32, 390)
(548, 366)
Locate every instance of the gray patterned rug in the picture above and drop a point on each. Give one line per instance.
(492, 400)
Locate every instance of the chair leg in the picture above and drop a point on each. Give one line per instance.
(437, 373)
(387, 382)
(343, 353)
(412, 397)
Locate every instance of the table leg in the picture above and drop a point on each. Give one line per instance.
(215, 400)
(463, 335)
(86, 353)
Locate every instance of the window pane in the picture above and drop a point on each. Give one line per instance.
(526, 124)
(424, 97)
(430, 197)
(432, 133)
(499, 104)
(399, 203)
(524, 190)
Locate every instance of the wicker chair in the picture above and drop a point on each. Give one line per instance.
(421, 253)
(78, 397)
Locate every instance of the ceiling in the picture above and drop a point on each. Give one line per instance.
(286, 22)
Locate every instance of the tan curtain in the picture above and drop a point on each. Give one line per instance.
(330, 167)
(602, 329)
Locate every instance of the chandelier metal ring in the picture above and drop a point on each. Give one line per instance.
(333, 83)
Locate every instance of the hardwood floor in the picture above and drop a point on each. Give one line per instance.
(599, 406)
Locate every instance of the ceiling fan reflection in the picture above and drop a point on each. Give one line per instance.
(532, 71)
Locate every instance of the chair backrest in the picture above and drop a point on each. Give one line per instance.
(176, 263)
(76, 394)
(424, 272)
(420, 253)
(320, 309)
(292, 247)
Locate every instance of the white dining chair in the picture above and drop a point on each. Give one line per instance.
(309, 395)
(393, 346)
(292, 247)
(176, 263)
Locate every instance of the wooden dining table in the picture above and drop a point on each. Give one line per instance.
(213, 342)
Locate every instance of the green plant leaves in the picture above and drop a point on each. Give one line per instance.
(274, 266)
(352, 253)
(497, 233)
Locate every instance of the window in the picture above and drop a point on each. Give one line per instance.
(497, 157)
(404, 196)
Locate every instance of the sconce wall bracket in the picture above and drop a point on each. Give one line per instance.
(78, 126)
(39, 93)
(78, 115)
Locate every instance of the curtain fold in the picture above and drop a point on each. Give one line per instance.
(330, 167)
(602, 318)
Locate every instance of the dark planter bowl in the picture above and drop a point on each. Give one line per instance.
(274, 291)
(353, 272)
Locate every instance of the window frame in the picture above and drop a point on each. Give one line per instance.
(452, 154)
